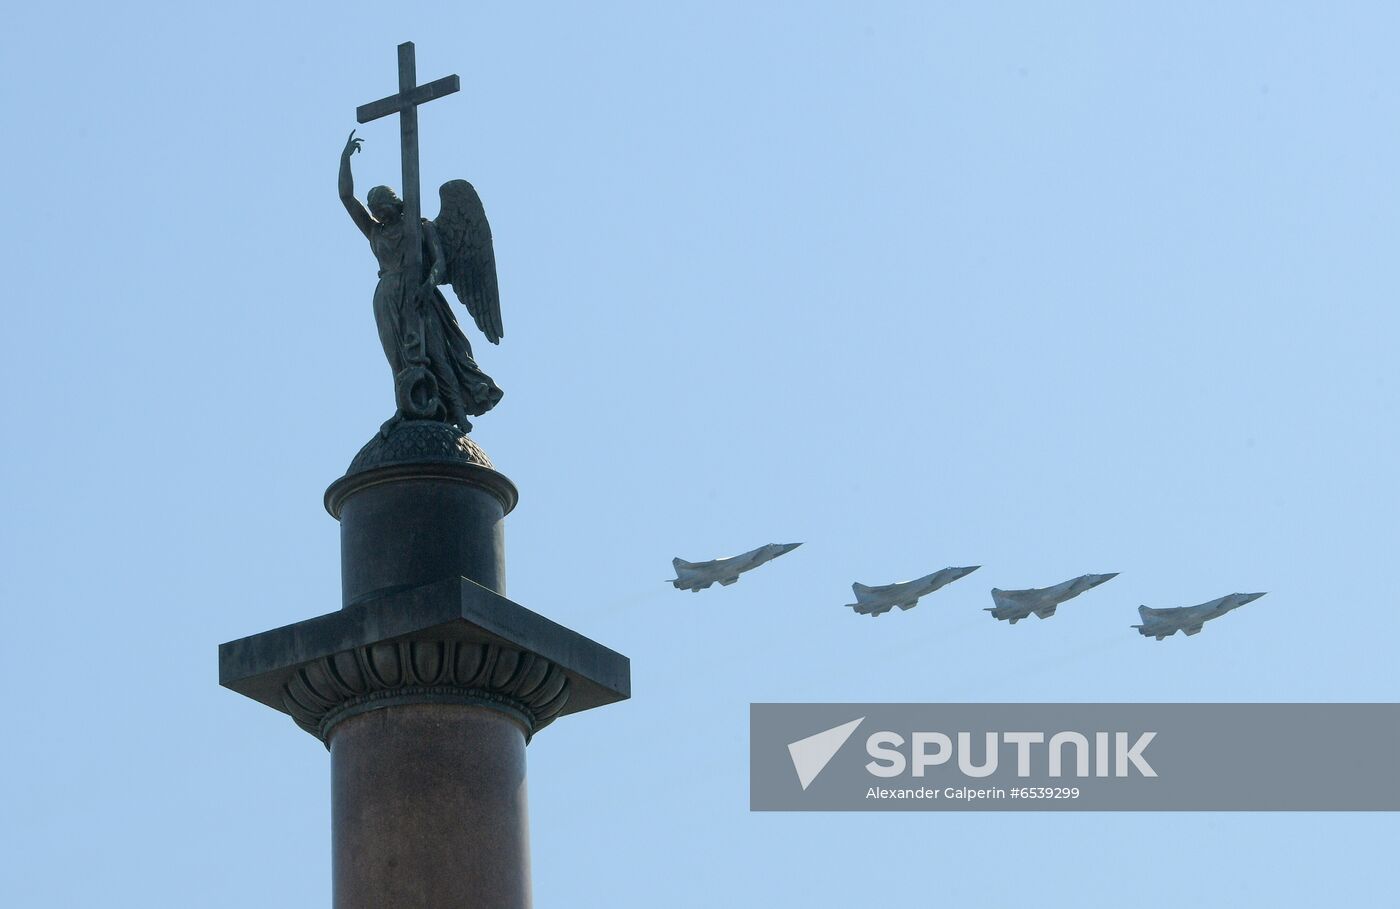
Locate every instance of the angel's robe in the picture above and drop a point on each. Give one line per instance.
(416, 327)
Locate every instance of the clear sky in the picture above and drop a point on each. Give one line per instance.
(1049, 288)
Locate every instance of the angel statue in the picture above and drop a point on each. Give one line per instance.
(435, 377)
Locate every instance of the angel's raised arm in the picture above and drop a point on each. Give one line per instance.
(357, 211)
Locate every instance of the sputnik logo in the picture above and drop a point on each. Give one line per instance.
(811, 755)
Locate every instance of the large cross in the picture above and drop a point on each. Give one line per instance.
(405, 104)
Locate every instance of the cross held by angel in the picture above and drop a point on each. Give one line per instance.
(435, 376)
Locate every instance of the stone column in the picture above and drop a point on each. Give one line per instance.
(428, 684)
(428, 808)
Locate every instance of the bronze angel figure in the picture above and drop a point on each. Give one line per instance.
(435, 376)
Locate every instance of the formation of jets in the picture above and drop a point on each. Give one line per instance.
(1010, 605)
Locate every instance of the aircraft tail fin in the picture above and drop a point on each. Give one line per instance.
(678, 564)
(861, 591)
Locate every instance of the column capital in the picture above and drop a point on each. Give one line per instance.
(526, 687)
(450, 642)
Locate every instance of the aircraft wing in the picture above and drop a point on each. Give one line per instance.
(1168, 622)
(1005, 599)
(865, 593)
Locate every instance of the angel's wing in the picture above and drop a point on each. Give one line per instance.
(471, 262)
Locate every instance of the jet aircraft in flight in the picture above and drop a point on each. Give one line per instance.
(1015, 605)
(877, 601)
(1163, 623)
(696, 576)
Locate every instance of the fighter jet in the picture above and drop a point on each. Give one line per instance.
(1163, 623)
(877, 601)
(1015, 605)
(696, 576)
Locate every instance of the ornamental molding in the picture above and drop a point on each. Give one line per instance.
(521, 684)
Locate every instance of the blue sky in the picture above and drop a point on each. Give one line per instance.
(1052, 290)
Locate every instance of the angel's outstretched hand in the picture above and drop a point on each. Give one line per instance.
(352, 145)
